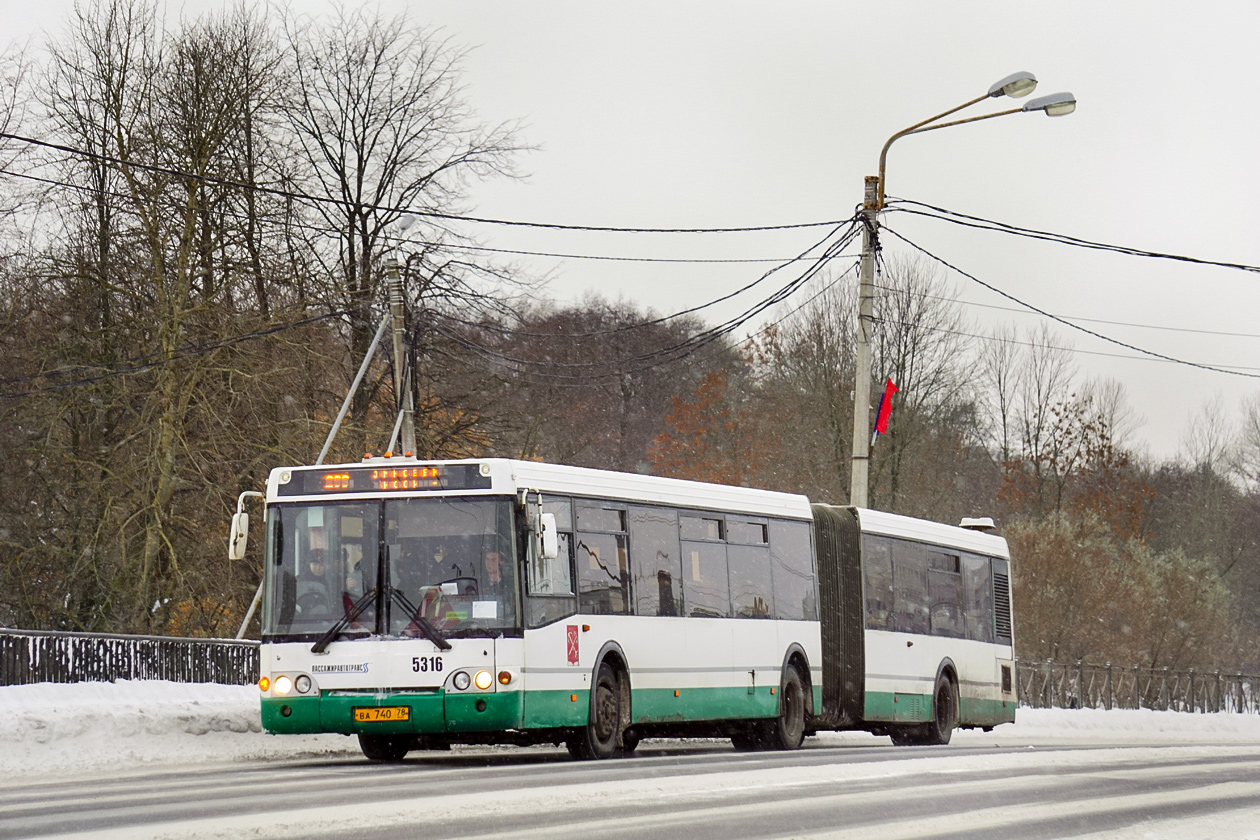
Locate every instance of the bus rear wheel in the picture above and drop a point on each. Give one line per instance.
(938, 730)
(598, 739)
(944, 712)
(785, 732)
(385, 747)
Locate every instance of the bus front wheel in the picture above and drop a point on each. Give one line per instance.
(598, 739)
(385, 747)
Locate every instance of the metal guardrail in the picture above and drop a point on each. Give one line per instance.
(33, 656)
(1080, 685)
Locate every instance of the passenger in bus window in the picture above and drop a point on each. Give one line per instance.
(494, 584)
(495, 587)
(354, 574)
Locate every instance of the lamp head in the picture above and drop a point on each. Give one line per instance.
(1054, 104)
(1015, 85)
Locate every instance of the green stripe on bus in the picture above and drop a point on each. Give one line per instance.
(986, 712)
(897, 707)
(661, 706)
(551, 709)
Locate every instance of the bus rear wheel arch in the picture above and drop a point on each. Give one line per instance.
(787, 730)
(940, 728)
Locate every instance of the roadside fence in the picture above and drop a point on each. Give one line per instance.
(32, 656)
(1080, 685)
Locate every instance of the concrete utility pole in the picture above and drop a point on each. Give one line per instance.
(859, 482)
(1015, 86)
(398, 314)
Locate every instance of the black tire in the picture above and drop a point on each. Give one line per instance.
(938, 730)
(598, 739)
(385, 747)
(787, 731)
(629, 741)
(944, 712)
(907, 736)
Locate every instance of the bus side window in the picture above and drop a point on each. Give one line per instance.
(550, 582)
(656, 567)
(706, 585)
(945, 588)
(603, 576)
(792, 571)
(542, 609)
(878, 583)
(911, 603)
(977, 598)
(553, 577)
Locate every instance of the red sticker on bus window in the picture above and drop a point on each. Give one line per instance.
(573, 644)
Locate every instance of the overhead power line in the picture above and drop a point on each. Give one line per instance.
(845, 239)
(1064, 321)
(574, 371)
(1025, 311)
(449, 246)
(297, 195)
(954, 217)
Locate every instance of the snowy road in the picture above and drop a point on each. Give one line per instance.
(700, 792)
(160, 760)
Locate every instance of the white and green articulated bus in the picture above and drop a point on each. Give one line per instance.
(421, 604)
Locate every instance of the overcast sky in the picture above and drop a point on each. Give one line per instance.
(727, 114)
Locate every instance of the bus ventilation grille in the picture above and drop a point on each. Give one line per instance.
(1002, 605)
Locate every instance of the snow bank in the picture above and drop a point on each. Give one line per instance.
(52, 728)
(60, 729)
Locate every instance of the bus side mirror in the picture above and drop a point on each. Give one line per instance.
(548, 537)
(238, 536)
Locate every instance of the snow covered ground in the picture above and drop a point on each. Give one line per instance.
(87, 728)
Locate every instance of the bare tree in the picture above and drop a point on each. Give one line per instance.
(921, 341)
(1208, 441)
(804, 377)
(1110, 402)
(999, 369)
(383, 130)
(1247, 456)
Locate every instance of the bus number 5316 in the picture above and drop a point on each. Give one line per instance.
(426, 664)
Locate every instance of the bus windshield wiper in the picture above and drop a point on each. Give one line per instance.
(423, 624)
(357, 609)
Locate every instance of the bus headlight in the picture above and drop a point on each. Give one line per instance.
(483, 680)
(302, 684)
(283, 685)
(461, 681)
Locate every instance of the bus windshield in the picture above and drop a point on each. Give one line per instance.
(452, 561)
(412, 565)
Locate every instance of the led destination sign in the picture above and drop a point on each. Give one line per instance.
(385, 479)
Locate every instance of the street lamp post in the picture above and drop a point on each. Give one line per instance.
(1015, 85)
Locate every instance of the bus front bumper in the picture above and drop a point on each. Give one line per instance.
(429, 713)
